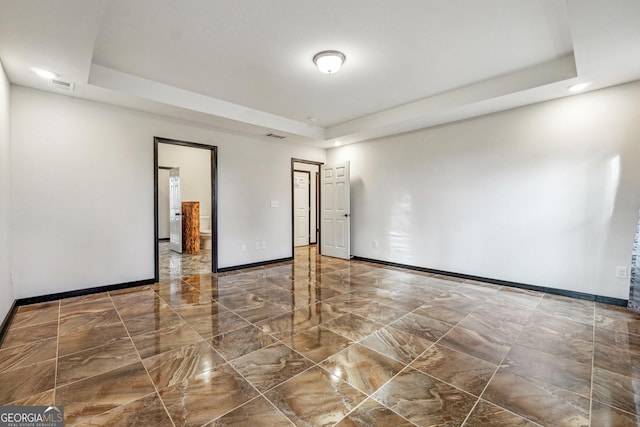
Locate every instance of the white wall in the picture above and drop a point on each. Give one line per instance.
(83, 192)
(195, 176)
(545, 195)
(6, 287)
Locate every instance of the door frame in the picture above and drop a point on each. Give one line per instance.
(317, 231)
(308, 206)
(214, 199)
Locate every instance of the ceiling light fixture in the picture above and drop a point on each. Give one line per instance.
(45, 74)
(337, 143)
(329, 61)
(578, 87)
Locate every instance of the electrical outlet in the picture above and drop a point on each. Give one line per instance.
(258, 245)
(376, 245)
(264, 245)
(243, 248)
(622, 272)
(13, 276)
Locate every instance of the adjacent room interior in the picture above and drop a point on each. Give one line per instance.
(416, 215)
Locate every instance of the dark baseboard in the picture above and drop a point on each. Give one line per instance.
(82, 292)
(7, 321)
(253, 265)
(555, 291)
(61, 295)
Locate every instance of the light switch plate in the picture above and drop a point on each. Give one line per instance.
(275, 204)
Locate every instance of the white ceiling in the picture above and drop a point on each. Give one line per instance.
(247, 65)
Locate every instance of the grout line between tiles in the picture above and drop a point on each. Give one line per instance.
(143, 365)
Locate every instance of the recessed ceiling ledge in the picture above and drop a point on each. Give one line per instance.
(419, 111)
(108, 78)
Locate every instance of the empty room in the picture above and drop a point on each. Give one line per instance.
(313, 213)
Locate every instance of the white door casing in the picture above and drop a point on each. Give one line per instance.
(301, 194)
(175, 211)
(335, 211)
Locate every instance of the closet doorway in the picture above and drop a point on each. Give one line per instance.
(305, 195)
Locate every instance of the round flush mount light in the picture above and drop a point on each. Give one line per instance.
(45, 74)
(578, 87)
(329, 61)
(337, 144)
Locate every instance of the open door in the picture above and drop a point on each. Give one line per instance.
(175, 211)
(335, 213)
(302, 208)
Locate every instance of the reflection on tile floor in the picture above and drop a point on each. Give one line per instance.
(322, 341)
(173, 264)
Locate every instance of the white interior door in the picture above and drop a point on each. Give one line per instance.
(175, 211)
(335, 213)
(301, 207)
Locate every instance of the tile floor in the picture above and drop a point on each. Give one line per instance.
(325, 342)
(173, 264)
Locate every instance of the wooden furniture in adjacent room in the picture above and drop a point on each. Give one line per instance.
(191, 228)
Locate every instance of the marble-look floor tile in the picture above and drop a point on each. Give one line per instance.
(605, 416)
(94, 361)
(46, 398)
(315, 398)
(487, 339)
(147, 411)
(85, 339)
(163, 318)
(300, 320)
(426, 328)
(156, 342)
(504, 311)
(318, 343)
(616, 390)
(101, 393)
(36, 314)
(24, 382)
(380, 312)
(74, 323)
(29, 334)
(617, 318)
(372, 414)
(559, 371)
(363, 368)
(269, 366)
(486, 414)
(459, 369)
(134, 304)
(613, 359)
(399, 345)
(444, 314)
(559, 337)
(240, 342)
(425, 400)
(210, 321)
(85, 306)
(174, 366)
(200, 399)
(572, 309)
(27, 354)
(543, 403)
(257, 413)
(352, 326)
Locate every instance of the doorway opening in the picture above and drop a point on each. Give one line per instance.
(305, 203)
(169, 155)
